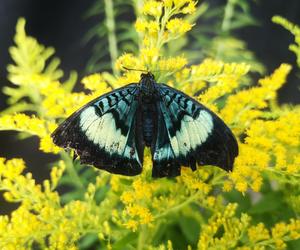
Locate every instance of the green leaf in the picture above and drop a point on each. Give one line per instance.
(190, 228)
(267, 203)
(126, 240)
(244, 201)
(88, 241)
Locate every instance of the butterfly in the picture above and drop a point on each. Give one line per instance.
(112, 131)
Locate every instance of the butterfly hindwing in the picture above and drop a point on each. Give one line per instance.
(103, 132)
(164, 163)
(194, 134)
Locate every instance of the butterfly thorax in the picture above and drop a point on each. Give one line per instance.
(147, 87)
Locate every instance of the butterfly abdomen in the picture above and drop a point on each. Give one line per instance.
(148, 122)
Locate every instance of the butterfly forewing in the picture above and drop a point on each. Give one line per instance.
(194, 135)
(103, 132)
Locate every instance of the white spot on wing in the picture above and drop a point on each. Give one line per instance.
(174, 144)
(102, 131)
(193, 133)
(87, 117)
(183, 139)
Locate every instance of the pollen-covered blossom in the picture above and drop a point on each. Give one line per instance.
(178, 26)
(153, 8)
(172, 64)
(95, 82)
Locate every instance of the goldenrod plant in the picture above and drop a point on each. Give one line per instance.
(215, 37)
(256, 206)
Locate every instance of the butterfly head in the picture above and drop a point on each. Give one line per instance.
(147, 84)
(147, 75)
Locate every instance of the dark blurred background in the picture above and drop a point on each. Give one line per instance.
(60, 24)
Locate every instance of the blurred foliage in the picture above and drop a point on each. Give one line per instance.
(213, 36)
(256, 206)
(295, 31)
(113, 33)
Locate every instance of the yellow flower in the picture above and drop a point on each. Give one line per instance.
(172, 64)
(190, 8)
(132, 225)
(178, 26)
(140, 25)
(33, 126)
(152, 8)
(153, 28)
(258, 233)
(95, 82)
(149, 56)
(128, 60)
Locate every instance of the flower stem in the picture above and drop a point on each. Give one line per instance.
(111, 28)
(179, 206)
(71, 170)
(142, 239)
(226, 23)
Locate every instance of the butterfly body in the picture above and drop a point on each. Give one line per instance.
(112, 131)
(148, 96)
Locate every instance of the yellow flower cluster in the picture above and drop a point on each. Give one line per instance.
(270, 146)
(243, 108)
(33, 126)
(237, 231)
(41, 219)
(59, 102)
(158, 26)
(232, 227)
(152, 8)
(178, 26)
(259, 236)
(138, 214)
(172, 64)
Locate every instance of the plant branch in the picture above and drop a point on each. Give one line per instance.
(179, 206)
(111, 29)
(71, 170)
(226, 23)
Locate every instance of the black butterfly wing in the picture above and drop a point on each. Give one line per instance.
(189, 133)
(103, 132)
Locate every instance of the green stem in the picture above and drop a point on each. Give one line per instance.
(142, 238)
(228, 14)
(111, 28)
(137, 5)
(226, 23)
(218, 178)
(71, 170)
(179, 206)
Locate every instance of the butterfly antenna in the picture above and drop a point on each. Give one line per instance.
(142, 70)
